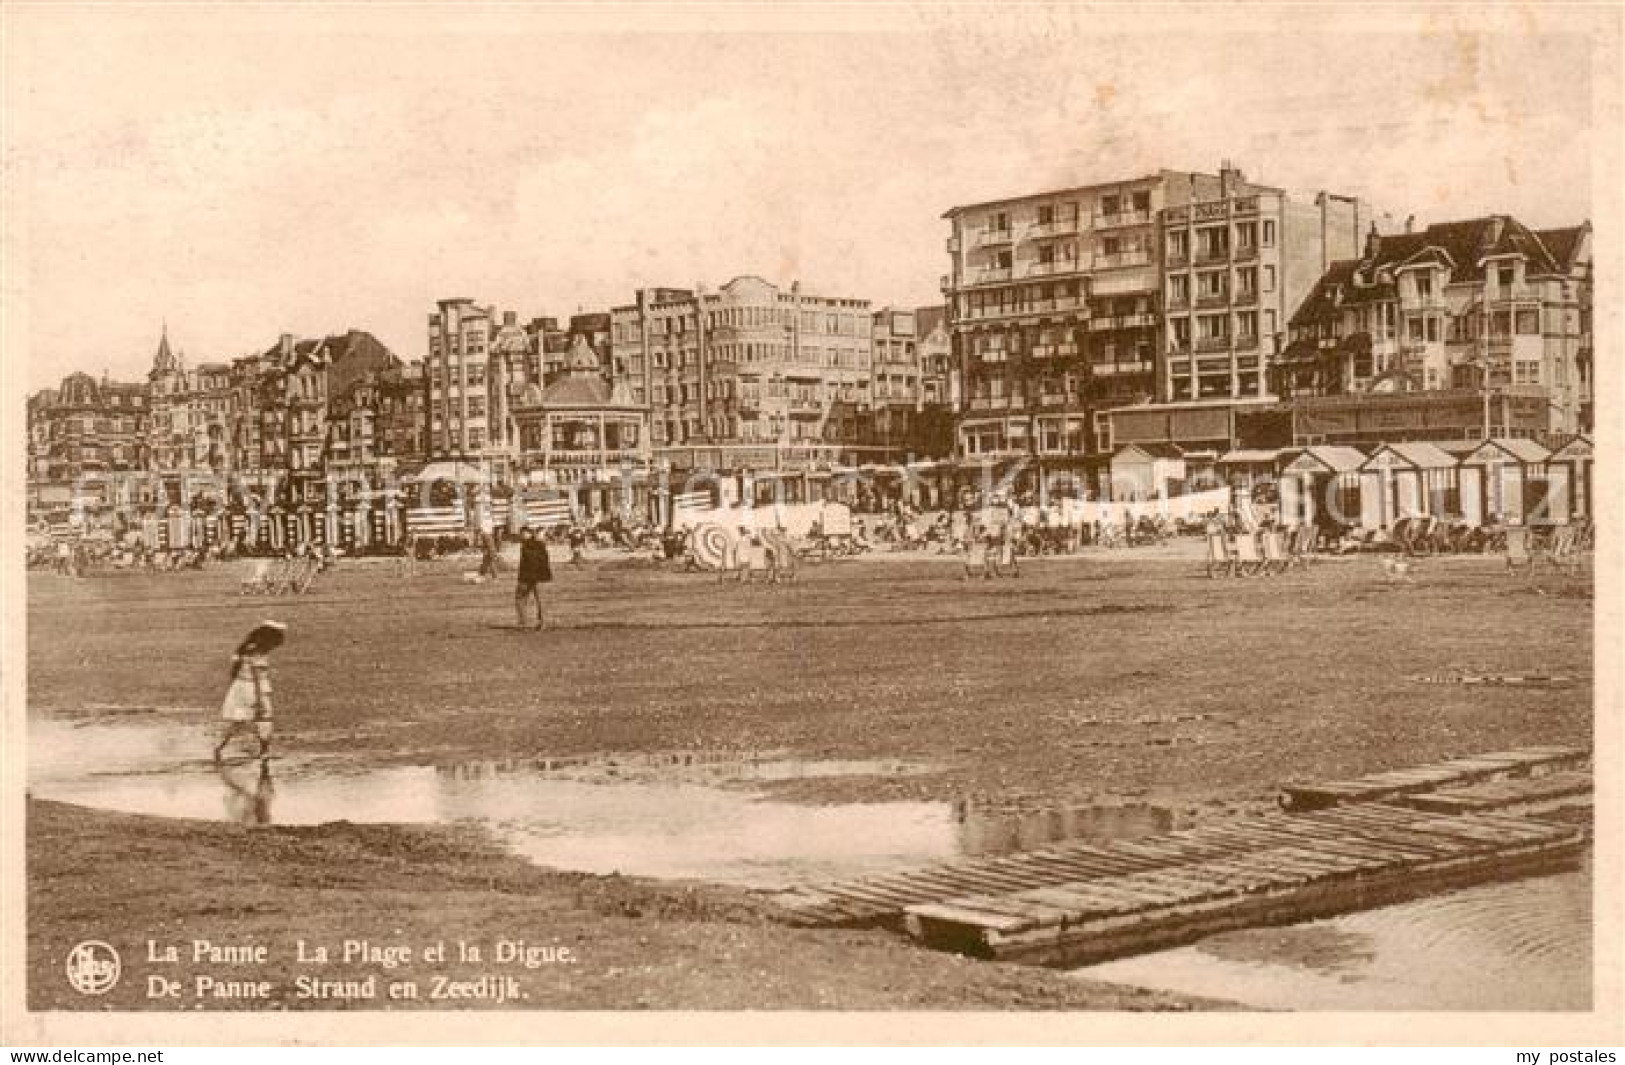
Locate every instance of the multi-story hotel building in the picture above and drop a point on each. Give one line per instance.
(458, 361)
(1463, 329)
(751, 367)
(1054, 311)
(1235, 266)
(86, 427)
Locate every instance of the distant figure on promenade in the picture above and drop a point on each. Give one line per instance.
(489, 565)
(247, 706)
(974, 547)
(578, 544)
(1007, 565)
(535, 570)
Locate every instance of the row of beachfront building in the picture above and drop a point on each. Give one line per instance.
(1185, 316)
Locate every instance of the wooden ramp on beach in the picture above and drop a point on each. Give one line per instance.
(1380, 787)
(1077, 903)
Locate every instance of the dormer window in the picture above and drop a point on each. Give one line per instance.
(1424, 285)
(1504, 276)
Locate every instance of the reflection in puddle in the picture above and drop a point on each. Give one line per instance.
(1517, 945)
(659, 815)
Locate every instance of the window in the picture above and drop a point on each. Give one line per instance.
(1178, 245)
(1212, 327)
(1110, 205)
(1210, 285)
(1504, 277)
(1111, 245)
(1142, 200)
(1269, 323)
(1181, 332)
(1046, 214)
(1432, 329)
(1526, 372)
(1247, 325)
(1413, 328)
(1269, 232)
(1424, 286)
(1247, 280)
(1269, 279)
(1247, 235)
(1528, 323)
(1179, 288)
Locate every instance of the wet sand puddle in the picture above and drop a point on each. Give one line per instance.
(1516, 945)
(682, 815)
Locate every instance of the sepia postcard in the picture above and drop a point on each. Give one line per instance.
(905, 523)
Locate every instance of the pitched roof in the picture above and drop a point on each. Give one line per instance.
(1419, 454)
(1461, 247)
(1563, 243)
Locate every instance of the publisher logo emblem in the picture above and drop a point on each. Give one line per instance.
(93, 967)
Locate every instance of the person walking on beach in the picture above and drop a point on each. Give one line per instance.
(247, 706)
(535, 569)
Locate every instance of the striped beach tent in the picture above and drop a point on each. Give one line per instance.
(436, 521)
(545, 513)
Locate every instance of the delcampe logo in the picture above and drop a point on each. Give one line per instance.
(93, 967)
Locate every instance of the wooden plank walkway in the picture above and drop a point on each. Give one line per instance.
(1519, 795)
(1525, 762)
(1271, 869)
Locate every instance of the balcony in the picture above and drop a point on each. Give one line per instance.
(990, 274)
(1122, 218)
(1103, 323)
(946, 285)
(1245, 342)
(1057, 266)
(1245, 205)
(1211, 254)
(1213, 344)
(1053, 228)
(1176, 216)
(953, 245)
(990, 238)
(1246, 252)
(1213, 299)
(1248, 298)
(1121, 259)
(1176, 260)
(1178, 303)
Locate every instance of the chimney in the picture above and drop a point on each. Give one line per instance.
(285, 346)
(1372, 240)
(1410, 222)
(1230, 179)
(509, 317)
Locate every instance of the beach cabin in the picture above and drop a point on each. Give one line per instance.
(1575, 459)
(1409, 480)
(1146, 471)
(1507, 477)
(1321, 486)
(1248, 467)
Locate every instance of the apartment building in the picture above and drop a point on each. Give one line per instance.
(1054, 311)
(455, 368)
(750, 366)
(1234, 267)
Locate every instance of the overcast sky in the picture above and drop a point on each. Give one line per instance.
(304, 171)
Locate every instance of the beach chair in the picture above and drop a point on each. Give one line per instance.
(280, 582)
(257, 582)
(1249, 562)
(1275, 556)
(1219, 556)
(1516, 541)
(304, 574)
(1304, 540)
(1561, 553)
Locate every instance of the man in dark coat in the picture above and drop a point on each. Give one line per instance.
(535, 569)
